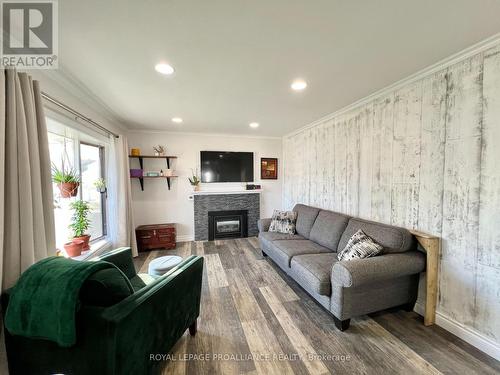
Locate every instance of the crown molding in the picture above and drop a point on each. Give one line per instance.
(204, 134)
(482, 46)
(80, 91)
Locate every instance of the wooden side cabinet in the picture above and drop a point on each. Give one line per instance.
(155, 236)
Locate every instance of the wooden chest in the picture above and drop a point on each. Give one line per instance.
(155, 236)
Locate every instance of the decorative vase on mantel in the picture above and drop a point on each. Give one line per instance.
(196, 187)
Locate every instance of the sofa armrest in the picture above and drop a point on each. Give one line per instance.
(121, 258)
(154, 318)
(264, 224)
(357, 272)
(189, 272)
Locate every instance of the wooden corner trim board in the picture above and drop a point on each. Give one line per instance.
(432, 246)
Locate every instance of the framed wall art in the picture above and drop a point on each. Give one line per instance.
(268, 168)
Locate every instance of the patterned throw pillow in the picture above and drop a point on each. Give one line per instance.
(283, 222)
(360, 246)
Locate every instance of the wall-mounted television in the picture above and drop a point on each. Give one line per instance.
(223, 166)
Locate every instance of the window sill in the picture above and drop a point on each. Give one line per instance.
(96, 248)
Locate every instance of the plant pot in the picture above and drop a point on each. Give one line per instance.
(68, 189)
(196, 187)
(74, 248)
(85, 238)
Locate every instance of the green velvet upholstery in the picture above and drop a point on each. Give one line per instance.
(105, 288)
(141, 280)
(45, 298)
(122, 258)
(119, 339)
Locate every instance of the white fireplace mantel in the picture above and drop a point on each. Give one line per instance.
(219, 192)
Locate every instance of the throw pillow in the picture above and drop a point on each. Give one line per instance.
(283, 222)
(360, 246)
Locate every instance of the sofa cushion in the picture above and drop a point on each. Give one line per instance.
(393, 239)
(283, 222)
(328, 229)
(141, 280)
(286, 249)
(272, 236)
(105, 288)
(306, 215)
(314, 270)
(360, 246)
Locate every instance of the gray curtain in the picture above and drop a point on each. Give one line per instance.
(27, 232)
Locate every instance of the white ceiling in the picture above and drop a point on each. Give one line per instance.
(235, 59)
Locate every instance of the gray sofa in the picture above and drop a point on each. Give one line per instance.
(346, 288)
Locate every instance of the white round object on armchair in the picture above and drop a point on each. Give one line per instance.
(162, 265)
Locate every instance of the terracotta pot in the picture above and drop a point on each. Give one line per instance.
(85, 238)
(68, 189)
(74, 248)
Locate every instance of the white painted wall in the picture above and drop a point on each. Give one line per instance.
(156, 204)
(425, 156)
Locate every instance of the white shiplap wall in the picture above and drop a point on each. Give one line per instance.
(425, 156)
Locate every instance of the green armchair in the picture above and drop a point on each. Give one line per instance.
(124, 337)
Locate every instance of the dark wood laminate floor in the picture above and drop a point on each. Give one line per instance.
(256, 320)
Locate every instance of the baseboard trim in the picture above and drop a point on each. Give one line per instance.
(185, 238)
(476, 339)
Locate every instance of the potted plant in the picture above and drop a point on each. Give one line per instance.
(100, 185)
(74, 248)
(159, 150)
(80, 222)
(67, 180)
(194, 180)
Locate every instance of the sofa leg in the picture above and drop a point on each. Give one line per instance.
(341, 325)
(263, 254)
(193, 328)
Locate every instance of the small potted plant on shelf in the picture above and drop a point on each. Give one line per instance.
(159, 150)
(67, 180)
(194, 180)
(80, 222)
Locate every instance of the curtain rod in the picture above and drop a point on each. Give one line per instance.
(78, 114)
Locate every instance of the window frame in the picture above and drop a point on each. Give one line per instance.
(102, 155)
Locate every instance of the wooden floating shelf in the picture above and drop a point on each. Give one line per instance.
(141, 180)
(141, 158)
(152, 157)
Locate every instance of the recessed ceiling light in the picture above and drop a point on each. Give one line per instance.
(298, 85)
(164, 68)
(177, 120)
(254, 125)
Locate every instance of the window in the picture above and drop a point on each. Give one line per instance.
(91, 167)
(86, 155)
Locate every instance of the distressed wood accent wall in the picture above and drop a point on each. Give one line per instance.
(427, 157)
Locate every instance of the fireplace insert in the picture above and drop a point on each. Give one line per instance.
(227, 224)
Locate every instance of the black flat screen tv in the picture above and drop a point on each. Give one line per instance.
(222, 166)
